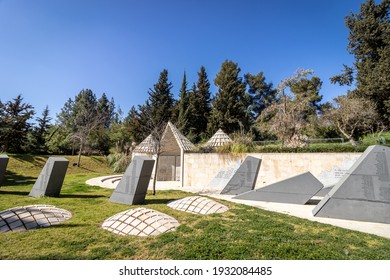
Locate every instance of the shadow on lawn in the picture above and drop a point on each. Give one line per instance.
(14, 179)
(81, 195)
(158, 201)
(21, 193)
(37, 161)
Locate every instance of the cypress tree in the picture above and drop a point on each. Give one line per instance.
(203, 104)
(183, 117)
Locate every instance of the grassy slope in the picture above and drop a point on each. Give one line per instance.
(241, 233)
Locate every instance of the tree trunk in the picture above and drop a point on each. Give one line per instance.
(80, 151)
(155, 175)
(348, 136)
(353, 142)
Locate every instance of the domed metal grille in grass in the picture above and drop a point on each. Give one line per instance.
(198, 205)
(140, 222)
(32, 217)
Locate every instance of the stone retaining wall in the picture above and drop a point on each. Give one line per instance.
(200, 168)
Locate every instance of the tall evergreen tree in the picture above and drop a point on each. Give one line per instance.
(81, 118)
(15, 116)
(310, 91)
(183, 117)
(161, 99)
(230, 105)
(262, 94)
(203, 106)
(41, 131)
(106, 108)
(369, 42)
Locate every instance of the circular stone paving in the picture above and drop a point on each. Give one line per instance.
(140, 222)
(32, 217)
(198, 205)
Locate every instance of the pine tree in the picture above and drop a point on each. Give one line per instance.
(230, 105)
(41, 131)
(161, 100)
(369, 42)
(262, 94)
(15, 126)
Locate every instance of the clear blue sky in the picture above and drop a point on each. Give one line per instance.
(50, 50)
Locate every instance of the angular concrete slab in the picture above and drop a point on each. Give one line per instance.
(219, 182)
(363, 194)
(134, 184)
(3, 166)
(295, 190)
(51, 178)
(244, 179)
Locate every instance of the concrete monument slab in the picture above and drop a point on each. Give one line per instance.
(219, 182)
(51, 178)
(298, 189)
(244, 179)
(3, 166)
(134, 184)
(363, 194)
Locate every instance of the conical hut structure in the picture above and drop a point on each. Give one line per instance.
(220, 138)
(173, 145)
(148, 146)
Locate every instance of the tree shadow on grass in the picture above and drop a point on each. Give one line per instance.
(37, 161)
(21, 193)
(158, 201)
(81, 196)
(13, 179)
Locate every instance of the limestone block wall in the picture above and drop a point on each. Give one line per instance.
(200, 168)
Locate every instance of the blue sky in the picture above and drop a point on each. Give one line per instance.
(50, 50)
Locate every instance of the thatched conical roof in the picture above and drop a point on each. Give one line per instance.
(171, 134)
(220, 138)
(148, 146)
(181, 140)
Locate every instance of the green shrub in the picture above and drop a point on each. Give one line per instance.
(118, 161)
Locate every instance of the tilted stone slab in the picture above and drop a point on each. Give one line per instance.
(3, 166)
(295, 190)
(198, 205)
(244, 179)
(363, 194)
(219, 182)
(133, 186)
(32, 217)
(140, 222)
(51, 178)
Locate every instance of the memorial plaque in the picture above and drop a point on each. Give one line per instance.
(244, 179)
(51, 178)
(222, 178)
(295, 190)
(3, 166)
(134, 184)
(363, 194)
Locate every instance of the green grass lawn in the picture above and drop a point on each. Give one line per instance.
(243, 232)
